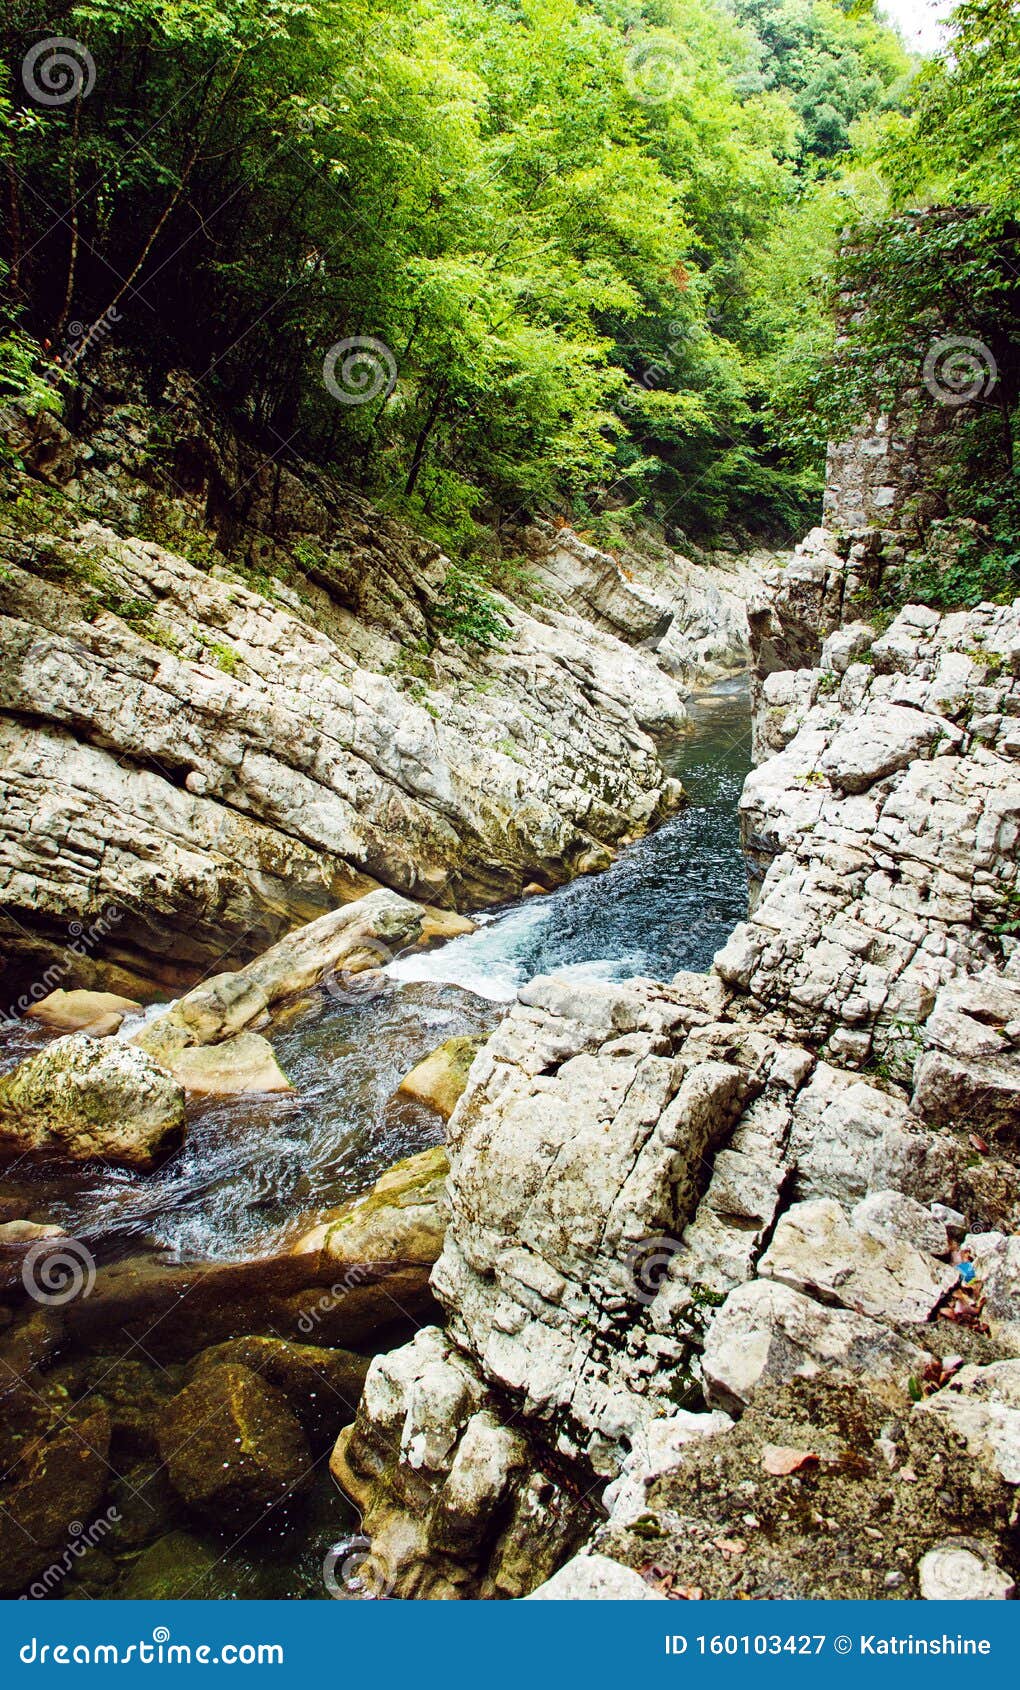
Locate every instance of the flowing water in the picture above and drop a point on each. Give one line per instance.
(255, 1169)
(252, 1166)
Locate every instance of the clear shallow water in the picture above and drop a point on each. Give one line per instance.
(254, 1169)
(668, 902)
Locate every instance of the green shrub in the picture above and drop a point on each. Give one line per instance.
(468, 612)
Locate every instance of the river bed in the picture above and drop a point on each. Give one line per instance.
(251, 1166)
(255, 1170)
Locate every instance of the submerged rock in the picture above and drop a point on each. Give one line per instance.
(439, 1079)
(233, 1449)
(176, 1568)
(55, 1485)
(322, 1386)
(402, 1218)
(84, 1098)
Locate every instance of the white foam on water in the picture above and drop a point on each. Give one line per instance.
(486, 962)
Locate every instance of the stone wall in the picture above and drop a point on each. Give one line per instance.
(889, 474)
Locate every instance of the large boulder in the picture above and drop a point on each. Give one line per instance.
(401, 1219)
(233, 1449)
(766, 1334)
(439, 1079)
(88, 1098)
(96, 1013)
(245, 1063)
(337, 949)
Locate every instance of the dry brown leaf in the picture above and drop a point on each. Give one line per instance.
(778, 1459)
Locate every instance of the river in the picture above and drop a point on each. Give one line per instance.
(252, 1165)
(255, 1170)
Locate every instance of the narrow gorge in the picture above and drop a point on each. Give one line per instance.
(509, 805)
(673, 1298)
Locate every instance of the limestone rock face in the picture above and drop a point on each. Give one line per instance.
(84, 1098)
(452, 1499)
(693, 615)
(218, 764)
(816, 1249)
(885, 831)
(732, 1192)
(969, 1071)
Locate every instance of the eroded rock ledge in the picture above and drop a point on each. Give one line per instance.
(211, 737)
(702, 1236)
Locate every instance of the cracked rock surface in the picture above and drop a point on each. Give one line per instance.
(743, 1195)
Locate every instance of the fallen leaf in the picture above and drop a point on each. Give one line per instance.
(778, 1459)
(688, 1593)
(730, 1545)
(980, 1144)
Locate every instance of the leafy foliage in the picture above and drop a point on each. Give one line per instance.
(468, 612)
(564, 268)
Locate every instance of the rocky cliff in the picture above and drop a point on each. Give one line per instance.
(229, 703)
(730, 1277)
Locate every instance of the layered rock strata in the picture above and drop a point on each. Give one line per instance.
(748, 1194)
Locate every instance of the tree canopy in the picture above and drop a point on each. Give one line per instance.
(482, 256)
